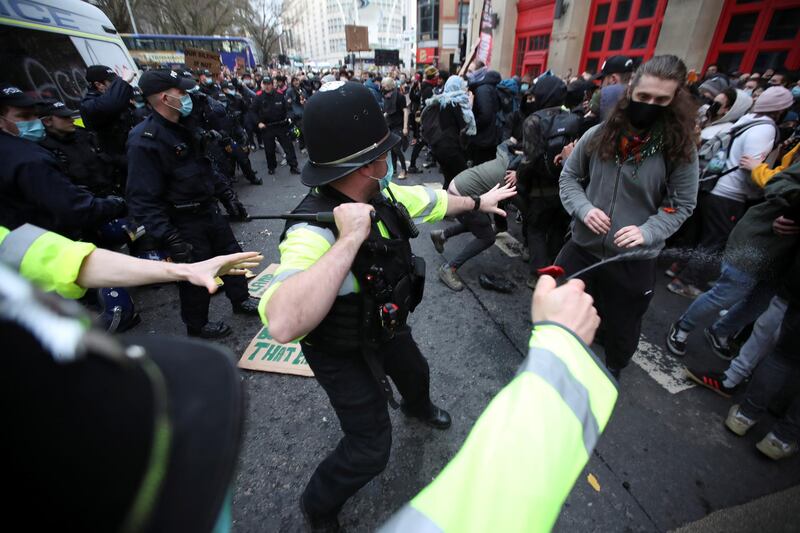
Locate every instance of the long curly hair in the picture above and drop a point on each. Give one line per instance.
(678, 118)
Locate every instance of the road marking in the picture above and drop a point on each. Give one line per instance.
(508, 244)
(662, 367)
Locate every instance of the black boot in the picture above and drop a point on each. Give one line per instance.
(212, 330)
(294, 170)
(255, 180)
(317, 524)
(435, 417)
(247, 307)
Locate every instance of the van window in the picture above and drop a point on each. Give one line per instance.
(42, 63)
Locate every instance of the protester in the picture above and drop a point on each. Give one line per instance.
(485, 106)
(396, 113)
(626, 206)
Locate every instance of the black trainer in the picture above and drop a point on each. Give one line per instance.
(720, 349)
(712, 381)
(675, 346)
(413, 170)
(211, 330)
(438, 238)
(435, 417)
(271, 171)
(294, 170)
(319, 525)
(247, 307)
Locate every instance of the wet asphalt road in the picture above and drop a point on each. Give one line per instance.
(665, 459)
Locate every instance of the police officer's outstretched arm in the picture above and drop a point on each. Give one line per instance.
(301, 302)
(487, 201)
(546, 421)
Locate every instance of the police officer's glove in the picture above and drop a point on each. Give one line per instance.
(116, 206)
(233, 206)
(179, 250)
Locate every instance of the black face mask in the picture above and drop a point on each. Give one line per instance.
(713, 109)
(528, 107)
(642, 116)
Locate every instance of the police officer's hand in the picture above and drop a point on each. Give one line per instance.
(180, 251)
(353, 221)
(497, 194)
(116, 205)
(569, 305)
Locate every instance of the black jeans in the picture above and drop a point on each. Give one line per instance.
(773, 373)
(546, 224)
(480, 225)
(622, 291)
(210, 235)
(281, 133)
(718, 216)
(397, 152)
(363, 415)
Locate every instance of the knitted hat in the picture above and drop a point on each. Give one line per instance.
(431, 72)
(715, 85)
(773, 99)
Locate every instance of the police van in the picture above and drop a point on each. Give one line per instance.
(47, 45)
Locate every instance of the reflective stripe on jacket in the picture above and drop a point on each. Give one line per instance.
(526, 450)
(305, 243)
(50, 261)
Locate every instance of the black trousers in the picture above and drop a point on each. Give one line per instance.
(546, 224)
(280, 133)
(209, 234)
(480, 225)
(452, 161)
(622, 291)
(363, 415)
(482, 154)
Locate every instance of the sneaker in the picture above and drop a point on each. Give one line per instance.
(737, 422)
(712, 381)
(294, 170)
(438, 238)
(673, 270)
(428, 164)
(675, 345)
(449, 277)
(283, 162)
(413, 170)
(402, 175)
(718, 346)
(686, 290)
(775, 448)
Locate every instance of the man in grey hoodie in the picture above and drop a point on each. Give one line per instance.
(629, 185)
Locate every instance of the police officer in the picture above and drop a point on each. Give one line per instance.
(33, 189)
(235, 137)
(106, 111)
(75, 150)
(172, 194)
(271, 109)
(345, 288)
(207, 84)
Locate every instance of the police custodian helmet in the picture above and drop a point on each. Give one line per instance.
(344, 129)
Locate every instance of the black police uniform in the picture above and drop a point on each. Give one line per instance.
(34, 190)
(234, 141)
(351, 351)
(172, 193)
(110, 117)
(80, 159)
(272, 109)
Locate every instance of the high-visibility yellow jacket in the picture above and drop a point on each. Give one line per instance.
(50, 261)
(526, 450)
(306, 243)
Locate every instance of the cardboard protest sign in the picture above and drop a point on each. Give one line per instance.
(264, 353)
(267, 355)
(356, 38)
(197, 58)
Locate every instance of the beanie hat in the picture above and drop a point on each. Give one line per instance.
(773, 99)
(431, 72)
(715, 85)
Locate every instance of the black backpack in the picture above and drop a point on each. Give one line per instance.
(507, 105)
(557, 128)
(430, 127)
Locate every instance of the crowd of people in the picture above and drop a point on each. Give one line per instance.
(609, 175)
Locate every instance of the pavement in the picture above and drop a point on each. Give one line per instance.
(664, 461)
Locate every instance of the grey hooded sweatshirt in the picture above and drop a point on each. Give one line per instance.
(628, 198)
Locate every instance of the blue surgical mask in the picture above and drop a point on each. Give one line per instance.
(796, 92)
(186, 105)
(31, 130)
(139, 105)
(209, 81)
(524, 87)
(387, 179)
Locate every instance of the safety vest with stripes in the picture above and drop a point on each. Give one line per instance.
(526, 450)
(52, 262)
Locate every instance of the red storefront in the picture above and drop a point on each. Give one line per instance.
(621, 27)
(534, 25)
(754, 35)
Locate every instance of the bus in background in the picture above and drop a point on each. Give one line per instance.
(154, 49)
(47, 45)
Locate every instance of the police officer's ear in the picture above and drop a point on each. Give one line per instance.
(47, 121)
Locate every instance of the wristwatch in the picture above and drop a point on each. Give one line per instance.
(477, 200)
